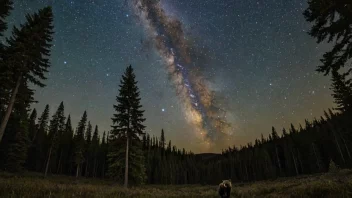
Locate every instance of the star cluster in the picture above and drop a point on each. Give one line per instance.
(256, 54)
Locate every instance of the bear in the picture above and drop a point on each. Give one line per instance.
(225, 188)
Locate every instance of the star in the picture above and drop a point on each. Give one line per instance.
(65, 62)
(163, 110)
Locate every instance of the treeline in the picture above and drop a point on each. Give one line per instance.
(52, 146)
(306, 150)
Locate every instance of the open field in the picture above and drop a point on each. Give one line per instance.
(33, 185)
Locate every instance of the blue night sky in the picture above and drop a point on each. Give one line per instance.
(257, 56)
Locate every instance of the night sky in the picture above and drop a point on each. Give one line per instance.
(255, 55)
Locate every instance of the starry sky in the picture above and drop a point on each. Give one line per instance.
(256, 55)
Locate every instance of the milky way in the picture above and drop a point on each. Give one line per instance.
(199, 101)
(256, 55)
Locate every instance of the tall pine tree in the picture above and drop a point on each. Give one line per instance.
(127, 130)
(36, 157)
(26, 55)
(87, 155)
(79, 143)
(332, 23)
(5, 8)
(342, 91)
(65, 148)
(16, 141)
(56, 129)
(162, 139)
(32, 125)
(93, 152)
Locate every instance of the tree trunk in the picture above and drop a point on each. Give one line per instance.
(278, 159)
(316, 158)
(103, 173)
(126, 165)
(348, 150)
(94, 167)
(77, 171)
(294, 162)
(245, 167)
(59, 164)
(47, 163)
(34, 136)
(300, 161)
(337, 142)
(10, 107)
(86, 172)
(338, 146)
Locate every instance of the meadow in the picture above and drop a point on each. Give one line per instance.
(34, 185)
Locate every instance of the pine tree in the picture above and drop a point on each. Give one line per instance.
(148, 141)
(262, 138)
(88, 138)
(144, 140)
(17, 150)
(32, 130)
(292, 129)
(284, 132)
(332, 23)
(274, 134)
(103, 154)
(342, 92)
(65, 147)
(93, 151)
(56, 128)
(27, 55)
(127, 129)
(5, 8)
(162, 139)
(169, 147)
(88, 134)
(80, 143)
(36, 155)
(16, 135)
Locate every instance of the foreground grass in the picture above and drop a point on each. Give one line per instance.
(326, 185)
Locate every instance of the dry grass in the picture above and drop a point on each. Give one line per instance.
(326, 185)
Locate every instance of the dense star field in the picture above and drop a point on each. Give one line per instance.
(256, 56)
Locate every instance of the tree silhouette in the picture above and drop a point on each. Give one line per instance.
(127, 130)
(26, 56)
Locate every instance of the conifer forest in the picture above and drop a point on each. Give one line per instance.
(49, 143)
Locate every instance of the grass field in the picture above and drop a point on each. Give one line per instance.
(33, 185)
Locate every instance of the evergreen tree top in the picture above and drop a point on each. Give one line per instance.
(332, 22)
(5, 8)
(342, 92)
(88, 134)
(44, 118)
(82, 125)
(129, 115)
(68, 125)
(28, 50)
(33, 115)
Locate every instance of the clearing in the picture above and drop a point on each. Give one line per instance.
(33, 185)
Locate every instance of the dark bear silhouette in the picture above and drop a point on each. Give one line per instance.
(225, 188)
